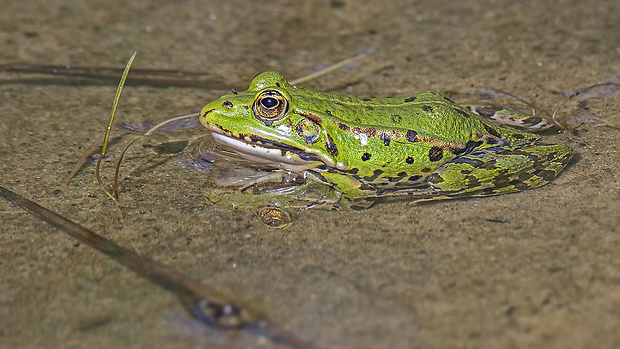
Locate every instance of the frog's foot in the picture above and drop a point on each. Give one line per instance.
(499, 171)
(510, 117)
(299, 194)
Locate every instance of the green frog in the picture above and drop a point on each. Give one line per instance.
(295, 147)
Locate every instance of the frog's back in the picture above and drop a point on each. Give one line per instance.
(429, 114)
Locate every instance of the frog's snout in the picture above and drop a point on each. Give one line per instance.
(205, 111)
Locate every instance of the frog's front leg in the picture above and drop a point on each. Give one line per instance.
(247, 188)
(494, 171)
(356, 194)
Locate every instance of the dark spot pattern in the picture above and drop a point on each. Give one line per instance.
(365, 99)
(328, 112)
(352, 171)
(331, 147)
(491, 130)
(227, 104)
(370, 131)
(415, 178)
(469, 146)
(343, 126)
(396, 118)
(519, 185)
(375, 175)
(426, 169)
(472, 182)
(427, 108)
(385, 138)
(412, 136)
(435, 154)
(366, 186)
(365, 156)
(409, 160)
(410, 99)
(278, 84)
(369, 107)
(399, 177)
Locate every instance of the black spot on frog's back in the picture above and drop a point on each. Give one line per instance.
(427, 108)
(411, 136)
(331, 147)
(410, 99)
(435, 154)
(385, 138)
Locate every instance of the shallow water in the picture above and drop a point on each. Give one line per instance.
(528, 270)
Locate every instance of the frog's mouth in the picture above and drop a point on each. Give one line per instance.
(265, 153)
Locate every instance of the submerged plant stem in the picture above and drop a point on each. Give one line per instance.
(205, 303)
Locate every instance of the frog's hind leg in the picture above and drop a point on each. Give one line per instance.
(503, 116)
(499, 171)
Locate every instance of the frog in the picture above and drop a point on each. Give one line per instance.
(309, 149)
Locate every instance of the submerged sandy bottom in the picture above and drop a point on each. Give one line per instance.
(538, 269)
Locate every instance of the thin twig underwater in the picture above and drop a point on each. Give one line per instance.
(204, 302)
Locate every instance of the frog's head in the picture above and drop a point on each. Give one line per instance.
(265, 125)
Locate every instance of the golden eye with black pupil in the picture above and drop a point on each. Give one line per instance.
(270, 106)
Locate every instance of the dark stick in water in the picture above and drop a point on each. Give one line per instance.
(208, 305)
(74, 75)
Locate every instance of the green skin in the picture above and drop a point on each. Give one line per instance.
(421, 148)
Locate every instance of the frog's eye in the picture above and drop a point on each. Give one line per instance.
(270, 106)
